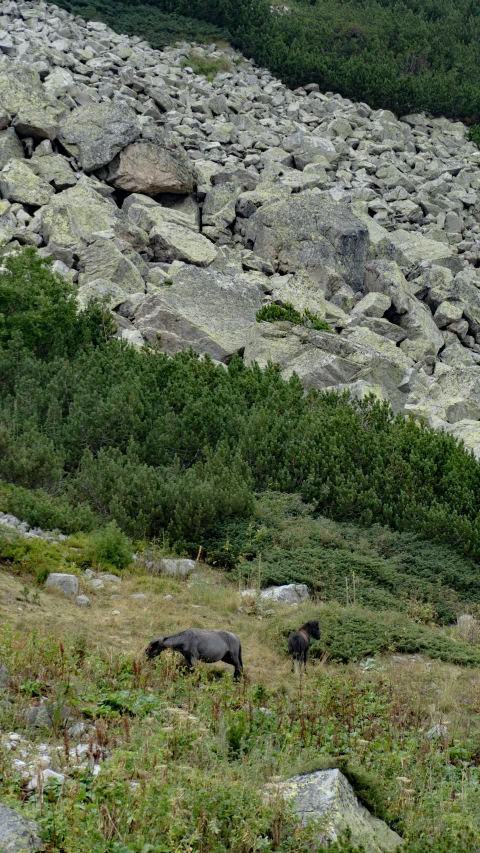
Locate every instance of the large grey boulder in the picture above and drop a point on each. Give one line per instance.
(290, 593)
(452, 395)
(173, 235)
(177, 568)
(147, 167)
(77, 215)
(322, 360)
(18, 834)
(310, 231)
(22, 94)
(18, 182)
(66, 583)
(203, 309)
(173, 243)
(411, 248)
(326, 796)
(95, 134)
(104, 259)
(423, 338)
(56, 170)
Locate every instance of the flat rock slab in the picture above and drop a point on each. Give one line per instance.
(203, 309)
(327, 796)
(95, 134)
(64, 582)
(18, 834)
(310, 231)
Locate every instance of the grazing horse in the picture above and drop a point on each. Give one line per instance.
(299, 642)
(195, 644)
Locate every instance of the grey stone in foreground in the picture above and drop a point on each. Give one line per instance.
(82, 601)
(290, 593)
(177, 568)
(327, 796)
(65, 583)
(18, 834)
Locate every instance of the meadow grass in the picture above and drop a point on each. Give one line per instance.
(190, 755)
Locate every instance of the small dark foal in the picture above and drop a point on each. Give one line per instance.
(299, 642)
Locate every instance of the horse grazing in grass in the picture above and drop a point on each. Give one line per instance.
(195, 644)
(299, 642)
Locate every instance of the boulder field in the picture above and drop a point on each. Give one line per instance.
(187, 204)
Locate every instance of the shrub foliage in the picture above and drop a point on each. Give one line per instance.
(174, 446)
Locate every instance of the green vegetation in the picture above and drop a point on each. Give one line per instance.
(107, 549)
(207, 66)
(272, 313)
(284, 542)
(405, 57)
(172, 447)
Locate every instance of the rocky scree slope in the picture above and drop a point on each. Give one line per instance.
(188, 204)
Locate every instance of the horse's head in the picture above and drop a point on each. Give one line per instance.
(154, 648)
(314, 629)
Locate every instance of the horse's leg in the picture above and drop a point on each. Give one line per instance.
(232, 660)
(188, 659)
(237, 663)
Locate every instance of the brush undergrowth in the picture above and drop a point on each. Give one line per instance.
(286, 542)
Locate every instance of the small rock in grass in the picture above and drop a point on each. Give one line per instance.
(139, 596)
(82, 601)
(115, 613)
(48, 776)
(64, 582)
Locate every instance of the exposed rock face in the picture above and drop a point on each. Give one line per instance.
(17, 834)
(177, 568)
(326, 796)
(188, 204)
(290, 593)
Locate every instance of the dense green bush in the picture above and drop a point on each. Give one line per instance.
(173, 446)
(405, 57)
(352, 633)
(38, 309)
(285, 543)
(109, 546)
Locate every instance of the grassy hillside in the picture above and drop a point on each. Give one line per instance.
(128, 450)
(406, 56)
(189, 755)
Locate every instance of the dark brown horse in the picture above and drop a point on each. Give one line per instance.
(299, 642)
